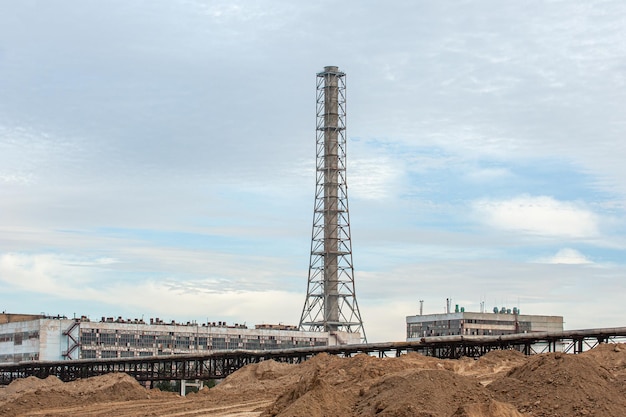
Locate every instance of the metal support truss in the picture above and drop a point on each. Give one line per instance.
(331, 303)
(219, 364)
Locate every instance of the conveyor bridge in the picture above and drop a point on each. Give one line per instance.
(219, 364)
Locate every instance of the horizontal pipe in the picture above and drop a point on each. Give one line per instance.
(423, 343)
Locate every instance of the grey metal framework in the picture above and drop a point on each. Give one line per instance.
(220, 364)
(331, 303)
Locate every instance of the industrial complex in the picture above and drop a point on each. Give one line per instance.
(330, 315)
(501, 322)
(25, 337)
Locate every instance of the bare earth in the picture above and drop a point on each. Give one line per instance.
(500, 384)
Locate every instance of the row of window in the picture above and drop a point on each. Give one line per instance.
(18, 338)
(455, 327)
(205, 344)
(19, 357)
(89, 334)
(184, 342)
(93, 354)
(168, 349)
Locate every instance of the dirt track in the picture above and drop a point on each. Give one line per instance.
(500, 384)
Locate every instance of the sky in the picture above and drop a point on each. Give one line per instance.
(157, 157)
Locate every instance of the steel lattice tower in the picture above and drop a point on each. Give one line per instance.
(331, 303)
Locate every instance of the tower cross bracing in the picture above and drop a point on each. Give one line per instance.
(331, 303)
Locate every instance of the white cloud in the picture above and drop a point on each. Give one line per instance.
(373, 178)
(16, 178)
(79, 280)
(567, 256)
(145, 132)
(542, 215)
(56, 274)
(253, 307)
(488, 174)
(586, 297)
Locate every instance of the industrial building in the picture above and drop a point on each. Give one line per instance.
(26, 337)
(502, 321)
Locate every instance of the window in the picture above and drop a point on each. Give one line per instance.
(88, 339)
(182, 342)
(88, 354)
(107, 339)
(127, 339)
(145, 341)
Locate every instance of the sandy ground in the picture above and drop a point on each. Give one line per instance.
(500, 384)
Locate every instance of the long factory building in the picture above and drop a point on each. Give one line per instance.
(27, 337)
(502, 321)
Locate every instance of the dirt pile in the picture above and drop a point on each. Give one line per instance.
(20, 386)
(500, 384)
(366, 386)
(23, 396)
(421, 392)
(562, 385)
(610, 356)
(262, 381)
(490, 409)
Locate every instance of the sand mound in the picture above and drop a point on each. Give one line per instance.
(501, 357)
(493, 365)
(326, 385)
(491, 409)
(411, 385)
(259, 381)
(102, 388)
(105, 388)
(500, 384)
(266, 370)
(544, 385)
(561, 385)
(611, 356)
(312, 396)
(435, 393)
(31, 384)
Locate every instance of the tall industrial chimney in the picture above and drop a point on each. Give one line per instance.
(331, 303)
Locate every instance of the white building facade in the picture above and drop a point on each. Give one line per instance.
(479, 324)
(43, 338)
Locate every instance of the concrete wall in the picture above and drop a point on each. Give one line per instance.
(52, 341)
(344, 338)
(12, 318)
(19, 341)
(44, 339)
(468, 323)
(113, 339)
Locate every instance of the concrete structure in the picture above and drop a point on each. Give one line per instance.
(37, 337)
(331, 304)
(464, 323)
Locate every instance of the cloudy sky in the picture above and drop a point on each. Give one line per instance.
(156, 157)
